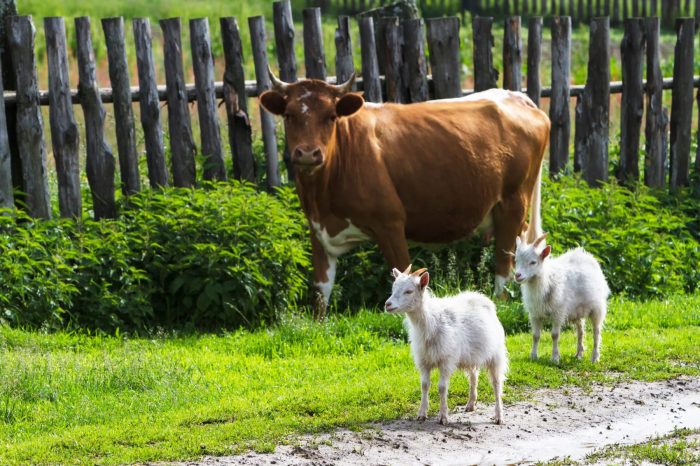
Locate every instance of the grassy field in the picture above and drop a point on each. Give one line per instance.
(113, 400)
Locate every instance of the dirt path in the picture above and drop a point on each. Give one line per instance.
(559, 423)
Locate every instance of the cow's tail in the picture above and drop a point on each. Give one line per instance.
(534, 228)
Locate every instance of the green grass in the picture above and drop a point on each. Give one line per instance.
(69, 398)
(681, 447)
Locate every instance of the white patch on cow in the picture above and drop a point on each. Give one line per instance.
(499, 285)
(327, 286)
(372, 105)
(304, 108)
(494, 95)
(340, 243)
(304, 95)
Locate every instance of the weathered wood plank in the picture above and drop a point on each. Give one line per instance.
(203, 67)
(596, 104)
(284, 41)
(7, 198)
(485, 75)
(64, 129)
(123, 113)
(416, 65)
(559, 105)
(393, 39)
(534, 55)
(259, 44)
(182, 145)
(632, 48)
(344, 66)
(512, 55)
(314, 56)
(150, 104)
(234, 95)
(657, 116)
(9, 8)
(370, 66)
(99, 164)
(682, 103)
(30, 125)
(443, 44)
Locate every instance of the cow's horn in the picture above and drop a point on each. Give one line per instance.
(347, 85)
(540, 239)
(277, 84)
(408, 269)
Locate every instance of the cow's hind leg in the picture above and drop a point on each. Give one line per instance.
(508, 217)
(392, 242)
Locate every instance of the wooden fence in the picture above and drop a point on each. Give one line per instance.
(405, 79)
(580, 11)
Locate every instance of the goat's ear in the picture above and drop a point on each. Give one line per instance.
(273, 102)
(424, 280)
(396, 273)
(545, 252)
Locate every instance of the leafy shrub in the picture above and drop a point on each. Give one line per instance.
(223, 256)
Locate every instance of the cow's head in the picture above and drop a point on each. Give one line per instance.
(310, 109)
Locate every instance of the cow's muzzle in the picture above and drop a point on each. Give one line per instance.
(307, 158)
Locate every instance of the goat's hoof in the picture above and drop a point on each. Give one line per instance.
(470, 407)
(421, 417)
(442, 419)
(498, 421)
(579, 356)
(595, 358)
(533, 356)
(555, 360)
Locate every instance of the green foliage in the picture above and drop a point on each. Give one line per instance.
(224, 255)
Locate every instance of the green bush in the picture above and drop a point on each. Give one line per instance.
(222, 256)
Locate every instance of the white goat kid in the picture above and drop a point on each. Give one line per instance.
(456, 332)
(568, 288)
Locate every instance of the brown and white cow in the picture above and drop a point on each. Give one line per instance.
(428, 172)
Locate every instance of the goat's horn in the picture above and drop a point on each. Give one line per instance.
(408, 269)
(540, 239)
(347, 85)
(419, 272)
(277, 84)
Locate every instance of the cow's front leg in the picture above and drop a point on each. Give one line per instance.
(324, 277)
(392, 242)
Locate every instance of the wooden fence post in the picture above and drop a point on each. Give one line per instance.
(632, 48)
(239, 130)
(30, 126)
(149, 104)
(559, 103)
(182, 145)
(416, 66)
(697, 11)
(259, 44)
(682, 102)
(616, 13)
(9, 8)
(595, 105)
(123, 113)
(370, 68)
(203, 67)
(393, 39)
(512, 55)
(443, 43)
(314, 56)
(656, 120)
(284, 41)
(99, 164)
(64, 129)
(7, 198)
(344, 66)
(534, 54)
(485, 75)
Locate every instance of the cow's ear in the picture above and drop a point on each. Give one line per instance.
(349, 104)
(273, 102)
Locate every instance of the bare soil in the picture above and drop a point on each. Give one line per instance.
(560, 423)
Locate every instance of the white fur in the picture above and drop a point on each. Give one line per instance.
(456, 332)
(568, 288)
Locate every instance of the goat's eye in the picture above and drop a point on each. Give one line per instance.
(408, 292)
(533, 262)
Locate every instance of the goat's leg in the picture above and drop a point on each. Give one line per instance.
(496, 371)
(425, 389)
(442, 389)
(536, 330)
(597, 323)
(556, 330)
(580, 330)
(473, 384)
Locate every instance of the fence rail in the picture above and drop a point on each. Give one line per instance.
(398, 47)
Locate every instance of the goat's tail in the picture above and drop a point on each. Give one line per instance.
(534, 228)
